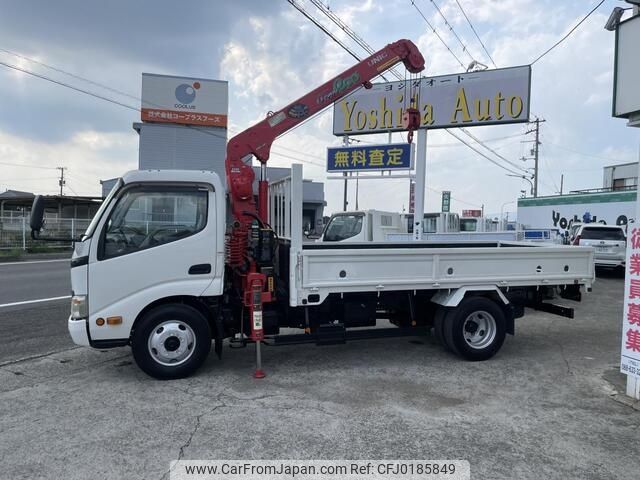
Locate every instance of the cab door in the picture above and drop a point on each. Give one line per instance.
(157, 241)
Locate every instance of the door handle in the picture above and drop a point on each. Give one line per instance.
(200, 269)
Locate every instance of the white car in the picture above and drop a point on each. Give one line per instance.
(609, 242)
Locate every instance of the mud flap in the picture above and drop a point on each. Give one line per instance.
(218, 340)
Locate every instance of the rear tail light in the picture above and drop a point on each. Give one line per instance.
(576, 241)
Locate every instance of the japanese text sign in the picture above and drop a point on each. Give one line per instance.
(486, 97)
(395, 156)
(630, 355)
(446, 201)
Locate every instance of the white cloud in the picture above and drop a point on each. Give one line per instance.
(88, 156)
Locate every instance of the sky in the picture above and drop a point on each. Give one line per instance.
(271, 55)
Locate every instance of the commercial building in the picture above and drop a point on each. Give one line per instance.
(612, 204)
(623, 176)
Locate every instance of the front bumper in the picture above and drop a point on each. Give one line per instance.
(609, 262)
(78, 331)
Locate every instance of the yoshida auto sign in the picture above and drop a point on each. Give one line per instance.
(487, 97)
(185, 100)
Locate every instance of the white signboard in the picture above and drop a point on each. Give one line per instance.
(626, 95)
(476, 98)
(193, 101)
(559, 212)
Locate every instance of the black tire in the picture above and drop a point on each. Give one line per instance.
(438, 322)
(489, 322)
(192, 336)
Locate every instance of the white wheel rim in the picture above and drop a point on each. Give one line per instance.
(479, 329)
(171, 343)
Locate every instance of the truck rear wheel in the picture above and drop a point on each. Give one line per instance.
(171, 341)
(475, 329)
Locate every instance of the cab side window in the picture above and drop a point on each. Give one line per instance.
(148, 217)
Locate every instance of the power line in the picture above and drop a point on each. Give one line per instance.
(26, 166)
(584, 154)
(469, 134)
(437, 34)
(322, 27)
(569, 32)
(73, 75)
(350, 32)
(446, 22)
(476, 34)
(101, 97)
(482, 154)
(63, 84)
(301, 10)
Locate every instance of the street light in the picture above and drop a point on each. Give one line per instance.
(502, 213)
(524, 178)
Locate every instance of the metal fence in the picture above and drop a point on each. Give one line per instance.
(15, 233)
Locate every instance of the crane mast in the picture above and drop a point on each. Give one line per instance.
(250, 241)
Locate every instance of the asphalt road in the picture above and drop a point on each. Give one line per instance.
(20, 281)
(543, 407)
(33, 329)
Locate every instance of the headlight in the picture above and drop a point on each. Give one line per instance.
(79, 307)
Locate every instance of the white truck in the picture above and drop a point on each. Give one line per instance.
(162, 270)
(150, 273)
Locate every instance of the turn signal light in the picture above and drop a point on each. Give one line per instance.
(100, 322)
(114, 320)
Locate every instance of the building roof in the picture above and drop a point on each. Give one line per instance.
(11, 194)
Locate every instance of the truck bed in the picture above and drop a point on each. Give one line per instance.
(324, 268)
(316, 269)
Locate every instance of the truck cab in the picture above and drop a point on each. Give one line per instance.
(158, 235)
(478, 224)
(361, 226)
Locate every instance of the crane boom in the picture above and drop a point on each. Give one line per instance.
(257, 140)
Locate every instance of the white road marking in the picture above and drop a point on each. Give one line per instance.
(39, 300)
(36, 261)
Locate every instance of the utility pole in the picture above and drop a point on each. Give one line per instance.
(535, 152)
(61, 182)
(561, 183)
(345, 142)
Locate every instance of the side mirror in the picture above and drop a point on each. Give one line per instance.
(36, 220)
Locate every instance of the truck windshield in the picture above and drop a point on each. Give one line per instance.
(430, 223)
(96, 218)
(468, 224)
(342, 227)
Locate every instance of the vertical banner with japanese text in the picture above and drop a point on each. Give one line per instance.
(446, 201)
(630, 352)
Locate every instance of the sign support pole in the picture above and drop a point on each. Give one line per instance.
(421, 171)
(345, 142)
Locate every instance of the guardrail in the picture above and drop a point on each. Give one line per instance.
(15, 233)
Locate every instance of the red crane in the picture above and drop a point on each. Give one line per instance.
(247, 261)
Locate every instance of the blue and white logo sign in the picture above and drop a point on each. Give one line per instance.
(186, 93)
(393, 156)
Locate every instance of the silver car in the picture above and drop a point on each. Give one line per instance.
(609, 242)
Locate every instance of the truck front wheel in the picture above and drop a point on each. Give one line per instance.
(171, 341)
(475, 329)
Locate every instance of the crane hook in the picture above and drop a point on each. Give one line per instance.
(411, 121)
